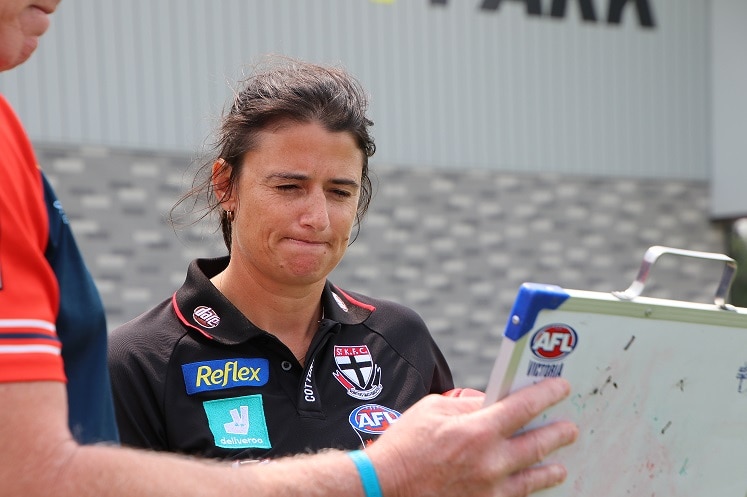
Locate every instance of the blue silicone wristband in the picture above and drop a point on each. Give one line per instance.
(367, 473)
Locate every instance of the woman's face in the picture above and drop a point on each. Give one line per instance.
(295, 203)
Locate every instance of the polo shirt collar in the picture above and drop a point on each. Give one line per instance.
(203, 309)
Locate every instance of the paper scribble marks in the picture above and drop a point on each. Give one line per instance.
(598, 390)
(741, 376)
(683, 469)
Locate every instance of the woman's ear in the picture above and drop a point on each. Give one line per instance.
(221, 179)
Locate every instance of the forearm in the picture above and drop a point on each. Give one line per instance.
(40, 458)
(83, 471)
(440, 447)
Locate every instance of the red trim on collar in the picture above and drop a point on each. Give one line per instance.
(184, 320)
(356, 302)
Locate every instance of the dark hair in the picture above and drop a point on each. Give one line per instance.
(285, 89)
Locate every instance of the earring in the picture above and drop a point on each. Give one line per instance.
(229, 216)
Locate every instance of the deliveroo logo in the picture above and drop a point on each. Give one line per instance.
(238, 422)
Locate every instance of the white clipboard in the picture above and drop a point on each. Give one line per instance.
(659, 387)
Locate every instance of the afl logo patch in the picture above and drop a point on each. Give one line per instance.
(373, 418)
(206, 317)
(554, 342)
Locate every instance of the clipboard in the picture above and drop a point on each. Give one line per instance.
(658, 387)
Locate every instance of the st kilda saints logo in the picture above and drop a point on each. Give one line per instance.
(357, 372)
(550, 344)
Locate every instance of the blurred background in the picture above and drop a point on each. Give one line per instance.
(550, 141)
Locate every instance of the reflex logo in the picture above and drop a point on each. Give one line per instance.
(238, 423)
(373, 418)
(554, 342)
(225, 373)
(206, 317)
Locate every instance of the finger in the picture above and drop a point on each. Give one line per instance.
(533, 446)
(440, 405)
(453, 404)
(525, 404)
(464, 392)
(533, 479)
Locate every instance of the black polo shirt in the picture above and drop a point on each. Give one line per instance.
(193, 375)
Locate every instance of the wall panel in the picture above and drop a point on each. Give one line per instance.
(453, 86)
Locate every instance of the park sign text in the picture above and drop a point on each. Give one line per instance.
(588, 11)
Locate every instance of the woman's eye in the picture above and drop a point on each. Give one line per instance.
(342, 193)
(287, 187)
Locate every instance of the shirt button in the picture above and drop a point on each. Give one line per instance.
(286, 365)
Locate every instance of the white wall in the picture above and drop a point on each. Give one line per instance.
(729, 108)
(454, 85)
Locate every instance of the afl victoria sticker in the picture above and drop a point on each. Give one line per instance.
(550, 345)
(554, 342)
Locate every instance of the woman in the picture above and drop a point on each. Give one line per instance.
(258, 355)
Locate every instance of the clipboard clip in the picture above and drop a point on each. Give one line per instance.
(654, 252)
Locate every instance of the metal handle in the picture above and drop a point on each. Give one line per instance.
(653, 253)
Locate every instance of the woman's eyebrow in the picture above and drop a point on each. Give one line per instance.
(304, 177)
(296, 176)
(344, 181)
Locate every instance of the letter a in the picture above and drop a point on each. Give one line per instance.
(587, 9)
(645, 17)
(534, 7)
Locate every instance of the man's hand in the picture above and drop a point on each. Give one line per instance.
(449, 446)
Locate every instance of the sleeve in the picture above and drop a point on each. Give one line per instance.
(137, 384)
(406, 332)
(442, 379)
(417, 345)
(30, 349)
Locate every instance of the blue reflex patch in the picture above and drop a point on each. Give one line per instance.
(225, 373)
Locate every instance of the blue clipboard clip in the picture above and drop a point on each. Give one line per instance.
(531, 299)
